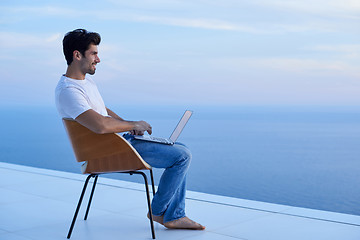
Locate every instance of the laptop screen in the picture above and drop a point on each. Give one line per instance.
(185, 118)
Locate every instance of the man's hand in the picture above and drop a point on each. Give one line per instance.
(134, 132)
(141, 127)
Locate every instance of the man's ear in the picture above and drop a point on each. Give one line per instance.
(76, 55)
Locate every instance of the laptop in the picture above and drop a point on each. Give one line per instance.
(175, 134)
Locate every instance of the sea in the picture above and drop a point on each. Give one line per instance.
(304, 156)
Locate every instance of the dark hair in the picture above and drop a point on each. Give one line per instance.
(80, 40)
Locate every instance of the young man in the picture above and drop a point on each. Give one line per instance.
(77, 97)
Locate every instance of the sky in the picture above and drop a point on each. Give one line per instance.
(230, 52)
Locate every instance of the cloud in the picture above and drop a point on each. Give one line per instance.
(335, 8)
(16, 40)
(342, 48)
(347, 7)
(349, 53)
(30, 52)
(41, 10)
(305, 65)
(287, 66)
(191, 15)
(248, 27)
(196, 23)
(121, 15)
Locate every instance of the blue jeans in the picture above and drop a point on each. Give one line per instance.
(169, 200)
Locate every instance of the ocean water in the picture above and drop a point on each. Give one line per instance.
(299, 156)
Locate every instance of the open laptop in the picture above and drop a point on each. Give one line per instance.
(175, 134)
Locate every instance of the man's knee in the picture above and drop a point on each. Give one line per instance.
(185, 155)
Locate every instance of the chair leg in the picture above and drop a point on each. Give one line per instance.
(79, 204)
(148, 201)
(152, 182)
(91, 196)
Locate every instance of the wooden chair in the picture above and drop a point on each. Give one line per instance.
(105, 153)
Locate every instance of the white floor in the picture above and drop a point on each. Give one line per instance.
(39, 204)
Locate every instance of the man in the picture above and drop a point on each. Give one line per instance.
(77, 97)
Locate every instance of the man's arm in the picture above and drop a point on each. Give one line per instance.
(112, 114)
(101, 124)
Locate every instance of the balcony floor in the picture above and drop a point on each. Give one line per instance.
(38, 204)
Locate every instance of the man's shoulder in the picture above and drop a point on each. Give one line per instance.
(65, 84)
(64, 81)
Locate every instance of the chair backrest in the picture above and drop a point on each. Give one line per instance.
(102, 152)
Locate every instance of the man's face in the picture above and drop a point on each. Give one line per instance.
(89, 61)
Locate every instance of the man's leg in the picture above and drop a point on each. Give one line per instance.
(172, 186)
(169, 200)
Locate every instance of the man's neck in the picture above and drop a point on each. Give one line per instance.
(74, 73)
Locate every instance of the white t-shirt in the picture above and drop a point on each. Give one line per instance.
(73, 97)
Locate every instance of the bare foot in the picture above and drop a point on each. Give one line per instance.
(184, 223)
(158, 219)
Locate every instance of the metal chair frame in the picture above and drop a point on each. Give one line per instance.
(95, 176)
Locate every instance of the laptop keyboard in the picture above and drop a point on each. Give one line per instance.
(159, 139)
